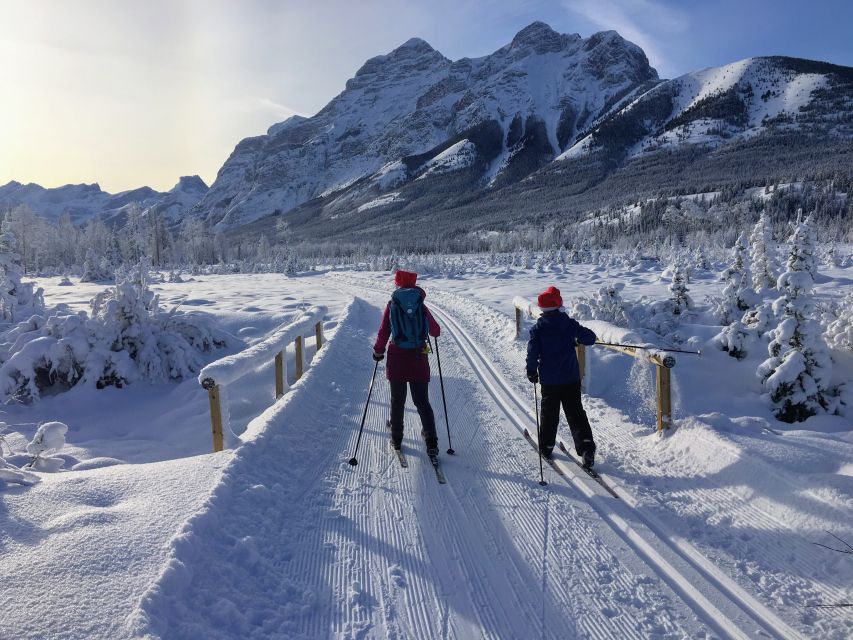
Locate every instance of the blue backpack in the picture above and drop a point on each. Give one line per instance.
(409, 327)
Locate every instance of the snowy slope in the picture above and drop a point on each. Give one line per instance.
(721, 105)
(538, 90)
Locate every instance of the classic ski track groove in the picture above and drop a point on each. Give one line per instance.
(799, 571)
(652, 543)
(583, 554)
(715, 580)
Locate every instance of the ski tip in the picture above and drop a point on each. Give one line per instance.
(451, 451)
(353, 462)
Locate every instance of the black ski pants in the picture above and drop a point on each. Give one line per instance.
(569, 396)
(420, 396)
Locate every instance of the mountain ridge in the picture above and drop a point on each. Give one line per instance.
(552, 123)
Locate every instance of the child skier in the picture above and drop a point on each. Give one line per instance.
(551, 360)
(409, 323)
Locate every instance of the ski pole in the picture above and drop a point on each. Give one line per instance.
(636, 346)
(444, 402)
(354, 461)
(538, 435)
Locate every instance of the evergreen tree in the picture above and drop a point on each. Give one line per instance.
(797, 373)
(737, 296)
(680, 299)
(763, 255)
(18, 300)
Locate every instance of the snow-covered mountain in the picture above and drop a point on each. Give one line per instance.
(755, 122)
(513, 111)
(725, 104)
(83, 201)
(549, 126)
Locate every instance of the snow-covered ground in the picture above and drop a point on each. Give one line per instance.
(147, 534)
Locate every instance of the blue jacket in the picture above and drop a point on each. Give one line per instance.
(551, 348)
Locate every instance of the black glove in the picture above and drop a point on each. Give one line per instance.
(533, 377)
(379, 357)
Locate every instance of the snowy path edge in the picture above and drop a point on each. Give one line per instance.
(175, 575)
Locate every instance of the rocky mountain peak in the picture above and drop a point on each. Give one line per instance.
(539, 37)
(192, 184)
(413, 55)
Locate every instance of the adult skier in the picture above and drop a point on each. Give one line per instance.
(408, 323)
(551, 360)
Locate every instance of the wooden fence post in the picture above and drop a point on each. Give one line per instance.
(664, 399)
(517, 322)
(215, 416)
(580, 350)
(279, 375)
(319, 330)
(299, 361)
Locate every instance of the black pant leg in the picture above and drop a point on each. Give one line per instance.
(398, 404)
(420, 396)
(550, 416)
(577, 419)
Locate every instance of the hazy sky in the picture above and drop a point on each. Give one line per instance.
(128, 93)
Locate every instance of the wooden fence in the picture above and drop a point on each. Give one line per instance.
(226, 370)
(663, 362)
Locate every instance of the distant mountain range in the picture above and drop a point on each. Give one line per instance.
(83, 201)
(550, 125)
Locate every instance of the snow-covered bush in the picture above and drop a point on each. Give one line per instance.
(839, 333)
(797, 374)
(760, 319)
(126, 338)
(48, 440)
(9, 473)
(606, 305)
(763, 255)
(732, 339)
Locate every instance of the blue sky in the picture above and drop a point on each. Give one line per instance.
(130, 93)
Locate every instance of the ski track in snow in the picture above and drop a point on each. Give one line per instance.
(760, 557)
(295, 543)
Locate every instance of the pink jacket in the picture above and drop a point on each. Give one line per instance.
(405, 365)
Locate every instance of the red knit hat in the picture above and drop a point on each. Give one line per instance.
(405, 279)
(550, 299)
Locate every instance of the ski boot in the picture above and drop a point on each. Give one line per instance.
(394, 445)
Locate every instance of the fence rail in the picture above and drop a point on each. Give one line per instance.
(662, 361)
(224, 371)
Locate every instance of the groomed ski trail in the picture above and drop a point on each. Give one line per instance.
(295, 543)
(727, 608)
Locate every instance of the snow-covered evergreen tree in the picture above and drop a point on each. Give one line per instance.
(681, 300)
(809, 255)
(763, 255)
(797, 374)
(737, 296)
(18, 300)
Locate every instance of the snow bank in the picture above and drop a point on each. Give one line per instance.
(269, 475)
(231, 368)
